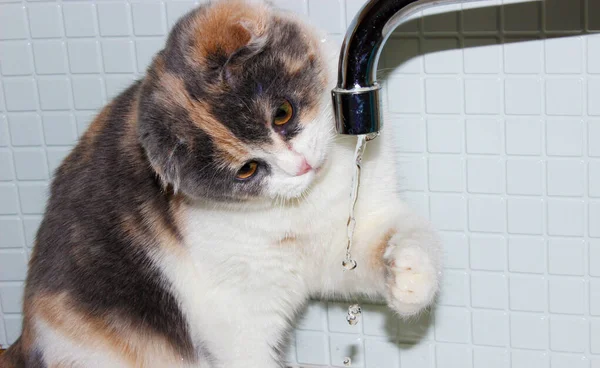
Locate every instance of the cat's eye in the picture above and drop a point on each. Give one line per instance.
(248, 170)
(283, 114)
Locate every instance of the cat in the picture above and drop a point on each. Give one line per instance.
(207, 203)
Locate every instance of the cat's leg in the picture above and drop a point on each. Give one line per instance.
(399, 259)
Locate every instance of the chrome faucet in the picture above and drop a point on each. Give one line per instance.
(357, 99)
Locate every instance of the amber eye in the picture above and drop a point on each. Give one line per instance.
(247, 170)
(283, 114)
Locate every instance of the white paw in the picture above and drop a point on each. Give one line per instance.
(412, 277)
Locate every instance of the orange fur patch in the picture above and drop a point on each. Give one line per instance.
(133, 345)
(226, 27)
(379, 248)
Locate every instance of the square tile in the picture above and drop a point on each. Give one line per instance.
(483, 96)
(594, 219)
(485, 175)
(452, 324)
(409, 134)
(529, 331)
(524, 177)
(15, 58)
(20, 94)
(564, 55)
(523, 137)
(55, 93)
(55, 157)
(484, 136)
(452, 356)
(312, 347)
(114, 19)
(87, 92)
(441, 57)
(11, 297)
(80, 19)
(148, 19)
(379, 320)
(32, 197)
(414, 173)
(25, 129)
(145, 50)
(527, 254)
(523, 55)
(561, 16)
(594, 257)
(488, 290)
(478, 18)
(595, 336)
(50, 57)
(380, 354)
(593, 22)
(84, 56)
(523, 96)
(488, 252)
(568, 361)
(31, 225)
(8, 199)
(481, 54)
(455, 289)
(443, 95)
(336, 317)
(448, 211)
(566, 178)
(487, 214)
(421, 355)
(4, 135)
(490, 328)
(528, 293)
(593, 53)
(418, 329)
(402, 55)
(564, 97)
(326, 15)
(45, 20)
(11, 232)
(491, 358)
(59, 129)
(30, 164)
(13, 24)
(522, 16)
(116, 84)
(564, 137)
(84, 119)
(567, 296)
(404, 94)
(525, 216)
(6, 166)
(529, 359)
(341, 346)
(568, 334)
(594, 178)
(565, 217)
(566, 256)
(176, 10)
(438, 20)
(456, 250)
(118, 56)
(593, 97)
(13, 324)
(446, 174)
(314, 317)
(13, 265)
(594, 296)
(444, 135)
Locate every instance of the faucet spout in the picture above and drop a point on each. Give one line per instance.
(357, 98)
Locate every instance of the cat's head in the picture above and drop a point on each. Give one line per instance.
(237, 104)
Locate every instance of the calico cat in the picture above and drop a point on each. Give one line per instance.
(208, 202)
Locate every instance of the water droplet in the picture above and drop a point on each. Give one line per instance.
(347, 362)
(353, 315)
(349, 264)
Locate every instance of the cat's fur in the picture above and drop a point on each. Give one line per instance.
(152, 254)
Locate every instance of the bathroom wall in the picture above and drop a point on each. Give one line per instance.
(497, 113)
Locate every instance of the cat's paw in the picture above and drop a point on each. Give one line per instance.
(412, 277)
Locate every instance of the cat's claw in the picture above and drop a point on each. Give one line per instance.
(413, 280)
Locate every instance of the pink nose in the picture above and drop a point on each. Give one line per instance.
(304, 168)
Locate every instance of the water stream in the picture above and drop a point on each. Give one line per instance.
(349, 263)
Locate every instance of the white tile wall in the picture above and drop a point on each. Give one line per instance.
(497, 110)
